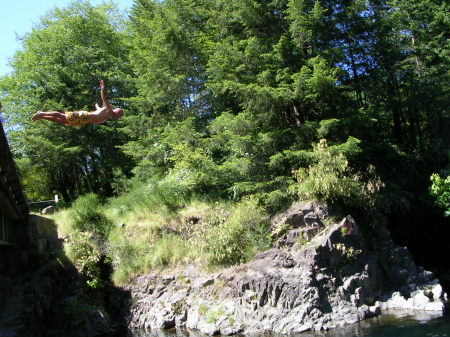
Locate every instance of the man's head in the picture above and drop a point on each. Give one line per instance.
(117, 113)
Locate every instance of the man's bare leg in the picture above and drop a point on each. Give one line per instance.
(54, 119)
(54, 116)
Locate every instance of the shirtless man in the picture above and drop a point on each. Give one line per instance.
(79, 118)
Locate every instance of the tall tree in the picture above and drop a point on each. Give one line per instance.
(59, 68)
(246, 86)
(253, 82)
(168, 48)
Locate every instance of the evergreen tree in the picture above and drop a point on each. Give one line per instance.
(59, 68)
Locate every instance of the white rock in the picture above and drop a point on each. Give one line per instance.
(409, 304)
(375, 309)
(192, 318)
(305, 327)
(397, 301)
(348, 284)
(435, 306)
(420, 301)
(437, 292)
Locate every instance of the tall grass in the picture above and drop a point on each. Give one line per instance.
(237, 237)
(161, 228)
(142, 198)
(86, 216)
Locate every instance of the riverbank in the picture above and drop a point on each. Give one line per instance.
(315, 277)
(396, 323)
(320, 273)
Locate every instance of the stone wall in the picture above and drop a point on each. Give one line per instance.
(43, 234)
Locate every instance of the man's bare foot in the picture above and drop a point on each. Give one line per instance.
(36, 116)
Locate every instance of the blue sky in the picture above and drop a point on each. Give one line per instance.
(18, 16)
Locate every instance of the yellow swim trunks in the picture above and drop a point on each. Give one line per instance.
(77, 118)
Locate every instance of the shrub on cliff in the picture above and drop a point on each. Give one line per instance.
(86, 216)
(165, 195)
(85, 256)
(440, 191)
(331, 177)
(236, 238)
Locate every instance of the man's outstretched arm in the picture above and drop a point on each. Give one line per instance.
(104, 99)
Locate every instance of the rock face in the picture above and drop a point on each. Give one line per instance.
(47, 302)
(316, 277)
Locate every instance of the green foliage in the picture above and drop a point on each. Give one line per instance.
(169, 250)
(349, 253)
(328, 127)
(235, 239)
(223, 100)
(280, 229)
(276, 201)
(86, 216)
(125, 257)
(87, 229)
(440, 190)
(330, 177)
(167, 195)
(301, 240)
(306, 21)
(58, 69)
(35, 180)
(84, 254)
(315, 86)
(202, 309)
(214, 315)
(194, 170)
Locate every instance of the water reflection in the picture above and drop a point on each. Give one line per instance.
(394, 324)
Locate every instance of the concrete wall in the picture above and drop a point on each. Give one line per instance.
(43, 234)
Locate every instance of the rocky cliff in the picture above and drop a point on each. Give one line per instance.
(315, 277)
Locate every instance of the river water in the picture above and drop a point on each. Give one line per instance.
(398, 324)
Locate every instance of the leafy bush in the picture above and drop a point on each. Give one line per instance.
(84, 254)
(330, 177)
(86, 216)
(87, 229)
(440, 190)
(194, 170)
(124, 256)
(166, 193)
(235, 239)
(276, 201)
(165, 196)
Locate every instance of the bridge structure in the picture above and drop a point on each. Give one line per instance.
(23, 236)
(14, 211)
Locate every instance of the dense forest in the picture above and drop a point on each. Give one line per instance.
(253, 103)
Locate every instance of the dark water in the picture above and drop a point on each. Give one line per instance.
(400, 324)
